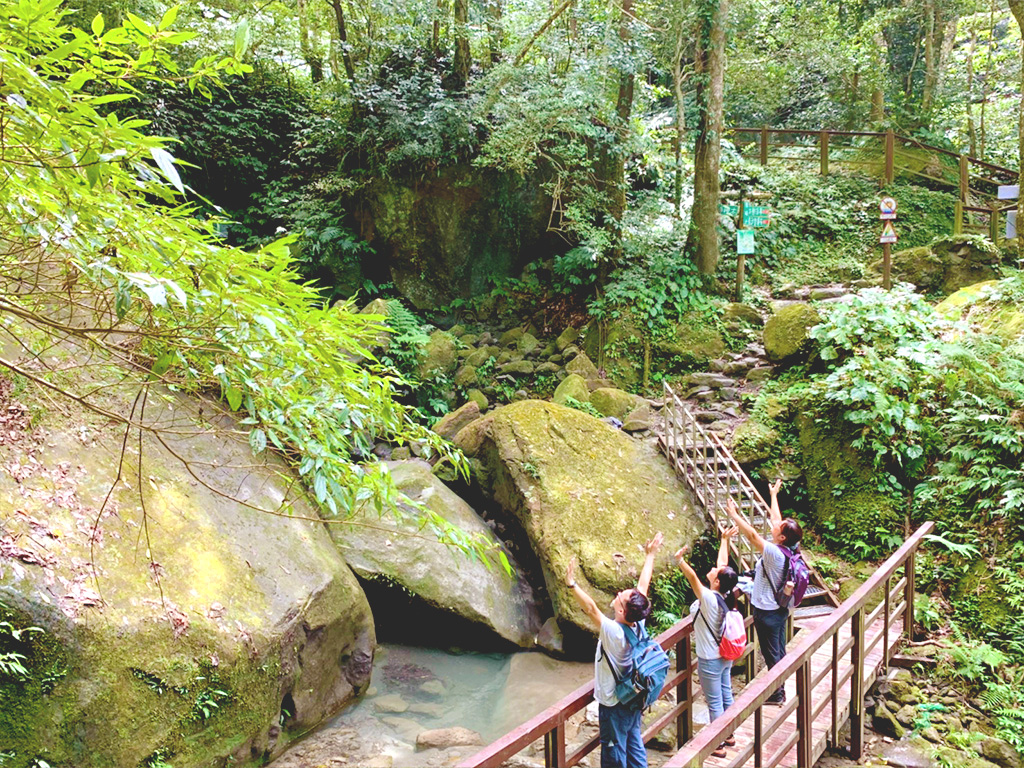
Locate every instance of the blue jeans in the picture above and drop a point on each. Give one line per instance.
(716, 682)
(622, 745)
(771, 636)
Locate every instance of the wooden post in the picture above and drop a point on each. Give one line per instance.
(824, 152)
(857, 686)
(684, 722)
(764, 145)
(835, 690)
(885, 626)
(741, 259)
(993, 222)
(887, 266)
(908, 597)
(554, 747)
(804, 721)
(758, 740)
(958, 218)
(965, 184)
(890, 156)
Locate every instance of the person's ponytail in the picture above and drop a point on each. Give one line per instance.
(727, 581)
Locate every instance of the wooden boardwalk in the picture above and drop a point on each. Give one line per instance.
(825, 730)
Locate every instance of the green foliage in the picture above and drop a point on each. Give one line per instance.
(572, 402)
(13, 644)
(886, 362)
(971, 661)
(205, 318)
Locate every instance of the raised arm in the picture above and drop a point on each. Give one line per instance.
(745, 528)
(651, 548)
(586, 602)
(723, 547)
(688, 572)
(774, 514)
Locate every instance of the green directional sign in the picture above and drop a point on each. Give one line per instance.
(756, 216)
(729, 209)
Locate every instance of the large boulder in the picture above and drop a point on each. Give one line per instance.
(179, 623)
(693, 341)
(450, 233)
(786, 334)
(988, 306)
(439, 357)
(945, 266)
(580, 487)
(614, 402)
(399, 552)
(572, 386)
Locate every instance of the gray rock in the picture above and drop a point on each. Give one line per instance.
(570, 352)
(759, 373)
(443, 738)
(547, 368)
(510, 337)
(885, 722)
(826, 292)
(517, 368)
(999, 752)
(527, 343)
(392, 703)
(639, 419)
(566, 337)
(428, 569)
(728, 393)
(428, 708)
(907, 714)
(434, 688)
(710, 380)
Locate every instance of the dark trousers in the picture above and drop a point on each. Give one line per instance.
(621, 743)
(771, 636)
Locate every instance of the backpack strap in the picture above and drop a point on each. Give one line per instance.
(725, 610)
(785, 568)
(631, 639)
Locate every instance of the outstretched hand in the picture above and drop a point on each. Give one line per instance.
(654, 544)
(682, 552)
(774, 487)
(570, 572)
(729, 533)
(730, 507)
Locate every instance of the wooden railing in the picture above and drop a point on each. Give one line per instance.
(849, 663)
(713, 474)
(887, 154)
(550, 724)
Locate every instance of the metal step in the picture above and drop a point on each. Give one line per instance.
(811, 611)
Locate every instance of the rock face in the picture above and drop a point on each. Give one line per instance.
(447, 235)
(247, 627)
(843, 487)
(580, 487)
(432, 571)
(948, 264)
(984, 306)
(785, 334)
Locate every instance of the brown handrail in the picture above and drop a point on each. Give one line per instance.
(798, 663)
(550, 723)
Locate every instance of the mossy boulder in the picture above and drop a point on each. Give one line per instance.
(786, 333)
(398, 551)
(742, 312)
(945, 266)
(178, 620)
(694, 341)
(573, 386)
(752, 441)
(991, 307)
(581, 365)
(848, 508)
(614, 402)
(478, 397)
(566, 337)
(580, 487)
(449, 425)
(982, 596)
(439, 356)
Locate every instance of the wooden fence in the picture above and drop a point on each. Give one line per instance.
(886, 155)
(853, 659)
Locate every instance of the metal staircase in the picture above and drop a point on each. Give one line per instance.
(715, 476)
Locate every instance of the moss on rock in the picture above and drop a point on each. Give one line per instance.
(614, 402)
(850, 512)
(581, 487)
(573, 386)
(786, 338)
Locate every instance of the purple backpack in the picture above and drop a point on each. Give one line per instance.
(794, 569)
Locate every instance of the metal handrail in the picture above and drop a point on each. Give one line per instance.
(797, 662)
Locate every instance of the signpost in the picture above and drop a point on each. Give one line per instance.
(887, 212)
(746, 215)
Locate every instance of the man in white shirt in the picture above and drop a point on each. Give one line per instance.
(622, 745)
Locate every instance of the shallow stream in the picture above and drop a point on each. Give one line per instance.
(415, 688)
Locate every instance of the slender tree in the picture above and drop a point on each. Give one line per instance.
(709, 68)
(1017, 9)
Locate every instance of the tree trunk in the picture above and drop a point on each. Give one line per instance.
(677, 139)
(462, 59)
(310, 55)
(972, 133)
(346, 54)
(435, 37)
(614, 171)
(494, 31)
(1017, 9)
(932, 43)
(710, 71)
(987, 80)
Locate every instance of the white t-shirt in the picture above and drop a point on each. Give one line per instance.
(708, 624)
(612, 639)
(767, 576)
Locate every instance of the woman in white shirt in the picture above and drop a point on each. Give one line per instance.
(711, 605)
